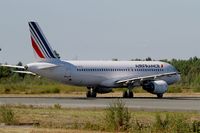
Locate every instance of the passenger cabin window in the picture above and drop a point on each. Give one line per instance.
(118, 70)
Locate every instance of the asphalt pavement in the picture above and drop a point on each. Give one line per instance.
(137, 103)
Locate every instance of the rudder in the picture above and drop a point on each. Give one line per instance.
(40, 44)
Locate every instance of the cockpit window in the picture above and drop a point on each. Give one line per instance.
(174, 69)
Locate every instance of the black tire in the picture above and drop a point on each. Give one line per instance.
(159, 96)
(130, 94)
(125, 94)
(88, 94)
(93, 94)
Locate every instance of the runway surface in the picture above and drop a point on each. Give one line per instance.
(137, 103)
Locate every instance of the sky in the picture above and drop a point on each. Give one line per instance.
(102, 29)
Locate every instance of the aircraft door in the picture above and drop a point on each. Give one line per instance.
(68, 73)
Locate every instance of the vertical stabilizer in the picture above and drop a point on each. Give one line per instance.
(40, 44)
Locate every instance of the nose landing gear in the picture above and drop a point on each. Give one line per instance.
(159, 96)
(128, 93)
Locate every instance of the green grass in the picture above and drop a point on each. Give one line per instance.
(117, 117)
(95, 119)
(7, 115)
(35, 85)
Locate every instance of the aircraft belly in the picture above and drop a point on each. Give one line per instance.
(87, 80)
(95, 79)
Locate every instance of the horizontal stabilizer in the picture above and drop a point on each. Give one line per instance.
(12, 66)
(25, 72)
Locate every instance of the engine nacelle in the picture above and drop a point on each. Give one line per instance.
(156, 87)
(103, 90)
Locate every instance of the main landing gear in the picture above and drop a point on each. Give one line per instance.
(160, 95)
(91, 92)
(128, 93)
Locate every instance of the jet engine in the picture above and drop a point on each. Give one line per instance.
(156, 87)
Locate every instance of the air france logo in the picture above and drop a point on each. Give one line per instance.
(149, 66)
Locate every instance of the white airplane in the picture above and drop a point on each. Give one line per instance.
(98, 76)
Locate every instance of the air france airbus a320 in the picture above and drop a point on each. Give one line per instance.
(99, 76)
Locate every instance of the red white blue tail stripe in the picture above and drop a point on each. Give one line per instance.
(39, 42)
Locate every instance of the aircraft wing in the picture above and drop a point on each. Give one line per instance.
(145, 78)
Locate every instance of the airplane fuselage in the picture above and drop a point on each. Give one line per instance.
(101, 73)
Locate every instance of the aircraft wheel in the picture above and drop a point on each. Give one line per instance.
(130, 94)
(91, 93)
(125, 94)
(159, 95)
(88, 94)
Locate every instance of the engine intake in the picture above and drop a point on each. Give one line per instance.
(156, 87)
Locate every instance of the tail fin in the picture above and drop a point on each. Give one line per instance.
(39, 42)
